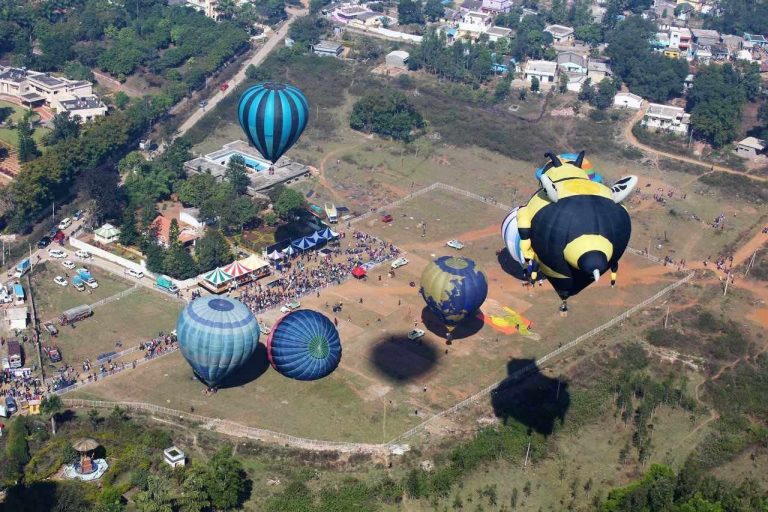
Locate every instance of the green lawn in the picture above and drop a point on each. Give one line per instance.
(52, 299)
(132, 319)
(11, 136)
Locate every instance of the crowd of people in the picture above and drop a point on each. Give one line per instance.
(309, 272)
(21, 385)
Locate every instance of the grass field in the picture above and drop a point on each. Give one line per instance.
(52, 299)
(382, 369)
(132, 319)
(11, 136)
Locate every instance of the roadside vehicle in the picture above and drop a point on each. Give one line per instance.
(399, 262)
(291, 306)
(455, 244)
(64, 224)
(415, 334)
(60, 281)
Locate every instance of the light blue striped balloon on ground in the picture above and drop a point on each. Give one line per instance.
(304, 345)
(217, 336)
(273, 115)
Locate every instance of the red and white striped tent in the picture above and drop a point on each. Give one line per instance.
(237, 269)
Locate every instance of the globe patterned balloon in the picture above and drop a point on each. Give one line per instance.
(217, 336)
(273, 115)
(453, 288)
(304, 345)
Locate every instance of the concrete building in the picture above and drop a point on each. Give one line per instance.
(571, 62)
(666, 118)
(544, 70)
(34, 89)
(328, 49)
(473, 24)
(496, 33)
(753, 40)
(680, 39)
(560, 33)
(174, 457)
(471, 6)
(397, 59)
(627, 100)
(576, 82)
(497, 6)
(749, 147)
(705, 38)
(16, 318)
(598, 70)
(191, 216)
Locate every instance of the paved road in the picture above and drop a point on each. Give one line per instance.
(257, 59)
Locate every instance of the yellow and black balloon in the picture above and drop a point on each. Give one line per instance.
(573, 229)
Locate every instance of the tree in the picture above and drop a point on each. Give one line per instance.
(157, 496)
(308, 30)
(51, 406)
(179, 263)
(606, 90)
(236, 174)
(27, 146)
(121, 100)
(389, 114)
(715, 102)
(128, 233)
(502, 88)
(102, 187)
(535, 84)
(226, 484)
(409, 12)
(94, 418)
(212, 251)
(194, 493)
(434, 10)
(288, 202)
(64, 127)
(196, 189)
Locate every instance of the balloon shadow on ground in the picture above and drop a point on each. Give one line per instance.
(400, 359)
(251, 370)
(467, 328)
(531, 398)
(510, 266)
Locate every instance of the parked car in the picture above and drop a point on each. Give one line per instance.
(44, 242)
(386, 218)
(57, 253)
(203, 103)
(399, 262)
(52, 329)
(455, 244)
(79, 214)
(59, 237)
(83, 254)
(415, 334)
(68, 264)
(60, 281)
(291, 306)
(10, 405)
(64, 224)
(133, 273)
(53, 354)
(224, 86)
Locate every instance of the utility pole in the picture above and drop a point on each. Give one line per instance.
(527, 452)
(751, 262)
(727, 278)
(666, 318)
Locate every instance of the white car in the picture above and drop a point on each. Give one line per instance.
(133, 273)
(415, 334)
(91, 283)
(399, 262)
(455, 244)
(60, 281)
(68, 264)
(83, 254)
(291, 306)
(64, 224)
(57, 253)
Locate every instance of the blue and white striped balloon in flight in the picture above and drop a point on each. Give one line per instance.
(273, 116)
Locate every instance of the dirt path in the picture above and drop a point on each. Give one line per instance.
(632, 140)
(323, 180)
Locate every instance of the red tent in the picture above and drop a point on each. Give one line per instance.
(359, 272)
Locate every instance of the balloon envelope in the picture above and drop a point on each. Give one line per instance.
(273, 115)
(453, 288)
(217, 336)
(304, 345)
(511, 237)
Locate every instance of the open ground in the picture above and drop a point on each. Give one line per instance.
(382, 372)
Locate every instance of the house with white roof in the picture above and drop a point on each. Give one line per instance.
(544, 70)
(496, 33)
(560, 33)
(496, 6)
(627, 100)
(749, 147)
(474, 23)
(666, 118)
(572, 62)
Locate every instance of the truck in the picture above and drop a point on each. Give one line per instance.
(14, 354)
(53, 353)
(87, 278)
(165, 284)
(77, 282)
(22, 268)
(77, 313)
(332, 216)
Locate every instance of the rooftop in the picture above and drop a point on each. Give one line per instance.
(700, 32)
(84, 103)
(399, 53)
(575, 58)
(664, 111)
(754, 38)
(541, 67)
(628, 95)
(599, 65)
(472, 5)
(368, 15)
(499, 31)
(352, 10)
(559, 30)
(753, 142)
(328, 46)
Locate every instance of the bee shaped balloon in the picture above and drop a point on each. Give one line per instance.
(573, 229)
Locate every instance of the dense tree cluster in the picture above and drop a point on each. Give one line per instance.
(717, 98)
(176, 42)
(739, 16)
(389, 114)
(308, 30)
(460, 62)
(647, 73)
(410, 12)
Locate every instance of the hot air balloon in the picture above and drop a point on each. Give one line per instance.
(273, 115)
(574, 229)
(454, 288)
(585, 165)
(304, 345)
(217, 336)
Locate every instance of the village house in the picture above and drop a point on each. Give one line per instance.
(749, 147)
(666, 118)
(627, 100)
(496, 6)
(571, 62)
(560, 33)
(598, 70)
(496, 33)
(544, 70)
(473, 24)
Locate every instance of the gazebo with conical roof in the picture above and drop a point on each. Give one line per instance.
(216, 281)
(85, 447)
